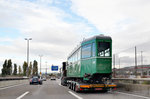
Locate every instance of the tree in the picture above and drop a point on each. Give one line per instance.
(15, 69)
(30, 69)
(25, 66)
(9, 67)
(35, 68)
(4, 69)
(20, 70)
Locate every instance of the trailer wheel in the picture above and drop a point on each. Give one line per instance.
(69, 85)
(76, 88)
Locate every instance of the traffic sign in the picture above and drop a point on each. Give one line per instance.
(54, 68)
(40, 74)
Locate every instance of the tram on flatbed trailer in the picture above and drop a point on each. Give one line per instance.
(89, 66)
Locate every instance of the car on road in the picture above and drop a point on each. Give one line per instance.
(44, 79)
(36, 80)
(53, 78)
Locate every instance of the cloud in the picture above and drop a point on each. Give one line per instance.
(52, 36)
(123, 20)
(57, 27)
(126, 21)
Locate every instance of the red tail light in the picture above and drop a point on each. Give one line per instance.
(114, 88)
(81, 89)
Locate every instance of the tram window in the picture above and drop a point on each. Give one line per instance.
(93, 49)
(69, 61)
(104, 49)
(76, 56)
(86, 51)
(79, 54)
(73, 58)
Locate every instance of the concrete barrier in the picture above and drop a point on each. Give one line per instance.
(139, 89)
(134, 86)
(13, 82)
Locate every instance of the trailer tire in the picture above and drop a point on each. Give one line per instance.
(76, 88)
(69, 85)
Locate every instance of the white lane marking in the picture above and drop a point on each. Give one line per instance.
(11, 86)
(78, 97)
(134, 95)
(23, 95)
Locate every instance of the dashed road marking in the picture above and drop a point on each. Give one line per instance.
(78, 97)
(22, 95)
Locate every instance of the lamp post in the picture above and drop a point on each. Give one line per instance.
(135, 62)
(27, 55)
(40, 63)
(114, 66)
(142, 62)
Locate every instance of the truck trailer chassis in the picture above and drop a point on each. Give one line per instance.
(83, 86)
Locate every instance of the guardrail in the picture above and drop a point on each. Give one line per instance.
(138, 79)
(139, 86)
(9, 81)
(132, 80)
(12, 78)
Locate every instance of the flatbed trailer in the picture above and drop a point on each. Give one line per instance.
(82, 86)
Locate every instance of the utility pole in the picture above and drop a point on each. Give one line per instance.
(119, 68)
(114, 66)
(142, 62)
(40, 63)
(27, 55)
(135, 62)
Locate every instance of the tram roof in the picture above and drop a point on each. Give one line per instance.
(91, 38)
(97, 37)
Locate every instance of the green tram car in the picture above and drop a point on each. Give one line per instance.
(90, 62)
(93, 58)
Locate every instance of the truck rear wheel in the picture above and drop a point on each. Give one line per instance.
(76, 88)
(69, 85)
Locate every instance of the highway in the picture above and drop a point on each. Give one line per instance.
(53, 90)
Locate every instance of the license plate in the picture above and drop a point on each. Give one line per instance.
(98, 88)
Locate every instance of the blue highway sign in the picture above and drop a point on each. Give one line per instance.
(54, 68)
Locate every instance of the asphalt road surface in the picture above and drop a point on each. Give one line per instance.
(53, 90)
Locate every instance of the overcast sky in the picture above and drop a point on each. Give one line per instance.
(58, 26)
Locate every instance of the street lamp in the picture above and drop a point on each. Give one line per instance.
(142, 62)
(27, 54)
(40, 62)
